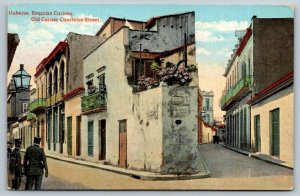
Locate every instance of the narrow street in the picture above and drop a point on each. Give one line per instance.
(230, 170)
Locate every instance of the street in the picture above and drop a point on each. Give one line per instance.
(230, 171)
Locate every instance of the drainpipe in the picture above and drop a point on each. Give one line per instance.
(140, 63)
(185, 50)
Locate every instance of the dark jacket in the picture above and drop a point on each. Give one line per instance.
(15, 164)
(35, 161)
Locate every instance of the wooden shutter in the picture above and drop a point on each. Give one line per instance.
(257, 133)
(148, 70)
(69, 142)
(275, 133)
(90, 137)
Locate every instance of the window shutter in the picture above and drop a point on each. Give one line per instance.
(90, 138)
(148, 70)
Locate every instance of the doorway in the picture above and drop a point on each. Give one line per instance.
(123, 143)
(102, 139)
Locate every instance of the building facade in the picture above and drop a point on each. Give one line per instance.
(272, 120)
(256, 62)
(138, 128)
(208, 107)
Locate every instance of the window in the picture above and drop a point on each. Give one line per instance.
(122, 126)
(102, 86)
(90, 138)
(90, 88)
(207, 103)
(24, 108)
(257, 133)
(141, 67)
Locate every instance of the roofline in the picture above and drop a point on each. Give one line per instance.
(62, 45)
(276, 86)
(105, 41)
(240, 49)
(153, 19)
(108, 21)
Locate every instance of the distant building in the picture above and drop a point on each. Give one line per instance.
(17, 104)
(12, 43)
(208, 107)
(263, 56)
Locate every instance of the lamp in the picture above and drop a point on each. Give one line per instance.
(21, 80)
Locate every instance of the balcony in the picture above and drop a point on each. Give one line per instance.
(233, 92)
(93, 101)
(55, 98)
(37, 104)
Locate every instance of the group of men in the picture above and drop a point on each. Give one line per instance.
(33, 166)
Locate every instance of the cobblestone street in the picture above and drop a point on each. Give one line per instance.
(230, 170)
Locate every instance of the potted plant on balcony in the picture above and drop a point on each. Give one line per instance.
(174, 74)
(147, 82)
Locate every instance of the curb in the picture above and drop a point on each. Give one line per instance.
(257, 157)
(285, 166)
(139, 174)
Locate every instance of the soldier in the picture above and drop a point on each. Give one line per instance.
(35, 162)
(15, 165)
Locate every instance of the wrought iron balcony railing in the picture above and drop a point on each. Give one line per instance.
(55, 98)
(245, 81)
(39, 103)
(93, 101)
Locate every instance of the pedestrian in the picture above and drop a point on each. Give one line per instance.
(9, 148)
(35, 162)
(15, 165)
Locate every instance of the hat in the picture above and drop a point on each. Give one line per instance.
(18, 141)
(37, 140)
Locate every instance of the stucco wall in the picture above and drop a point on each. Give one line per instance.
(79, 46)
(207, 134)
(169, 35)
(283, 100)
(145, 139)
(180, 130)
(84, 135)
(72, 108)
(112, 55)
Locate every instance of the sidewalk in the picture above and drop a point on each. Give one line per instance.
(143, 175)
(261, 156)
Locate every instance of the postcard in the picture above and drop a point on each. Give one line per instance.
(150, 97)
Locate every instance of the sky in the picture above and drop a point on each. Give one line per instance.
(215, 27)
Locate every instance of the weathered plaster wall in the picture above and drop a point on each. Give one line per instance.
(283, 100)
(180, 126)
(96, 117)
(72, 109)
(119, 94)
(169, 35)
(145, 144)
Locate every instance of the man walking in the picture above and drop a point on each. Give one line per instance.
(15, 165)
(35, 162)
